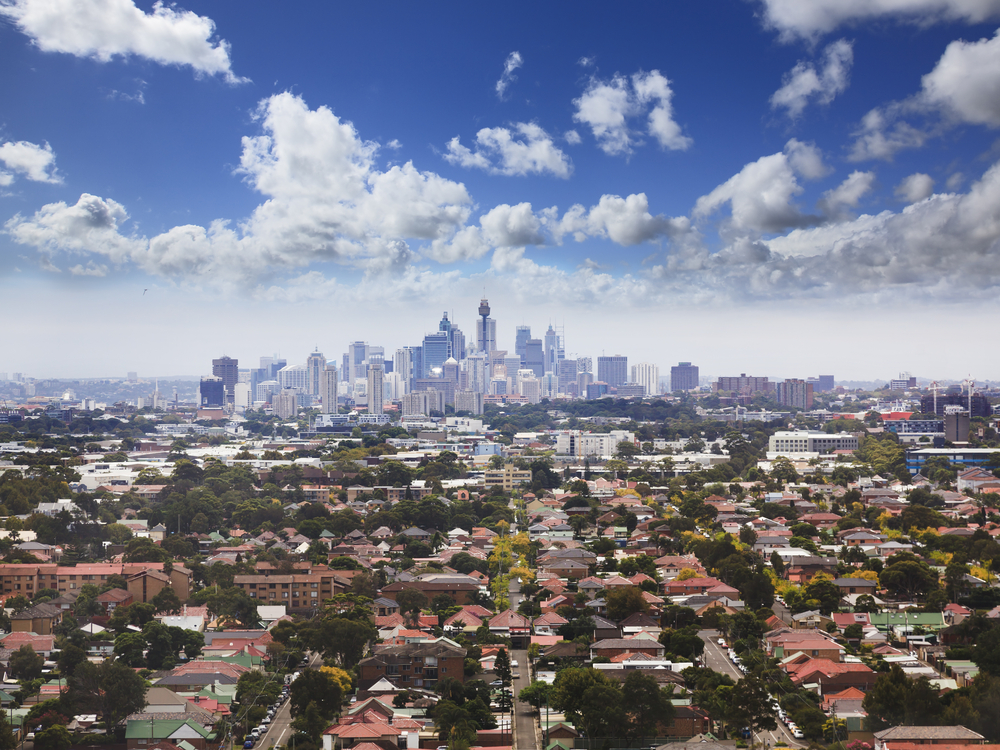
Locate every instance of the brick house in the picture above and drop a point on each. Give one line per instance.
(416, 665)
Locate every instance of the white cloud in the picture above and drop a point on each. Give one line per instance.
(512, 63)
(963, 87)
(509, 226)
(805, 83)
(848, 193)
(606, 107)
(572, 138)
(35, 162)
(527, 149)
(625, 221)
(325, 201)
(89, 270)
(915, 188)
(812, 18)
(760, 195)
(965, 83)
(92, 225)
(586, 62)
(881, 137)
(104, 29)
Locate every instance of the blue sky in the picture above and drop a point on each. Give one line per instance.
(785, 187)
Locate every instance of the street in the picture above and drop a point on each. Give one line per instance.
(280, 729)
(716, 658)
(524, 719)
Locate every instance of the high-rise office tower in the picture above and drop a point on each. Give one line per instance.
(795, 392)
(328, 389)
(648, 376)
(521, 341)
(375, 389)
(457, 343)
(355, 362)
(551, 350)
(445, 326)
(486, 329)
(585, 364)
(435, 352)
(402, 365)
(683, 377)
(613, 370)
(567, 374)
(212, 393)
(293, 376)
(228, 369)
(534, 356)
(477, 373)
(315, 363)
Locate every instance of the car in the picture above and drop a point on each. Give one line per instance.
(515, 675)
(496, 683)
(248, 744)
(797, 734)
(513, 662)
(30, 736)
(722, 641)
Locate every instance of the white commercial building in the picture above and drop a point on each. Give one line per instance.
(809, 441)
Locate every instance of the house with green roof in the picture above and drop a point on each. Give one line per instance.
(901, 624)
(143, 730)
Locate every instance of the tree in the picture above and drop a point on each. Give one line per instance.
(502, 667)
(109, 689)
(167, 601)
(56, 737)
(7, 739)
(824, 592)
(908, 578)
(25, 664)
(411, 600)
(536, 694)
(624, 601)
(647, 704)
(313, 687)
(752, 705)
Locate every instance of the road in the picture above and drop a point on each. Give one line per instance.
(716, 658)
(524, 718)
(280, 729)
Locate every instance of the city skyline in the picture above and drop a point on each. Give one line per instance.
(793, 187)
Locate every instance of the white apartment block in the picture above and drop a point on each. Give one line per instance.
(576, 443)
(809, 441)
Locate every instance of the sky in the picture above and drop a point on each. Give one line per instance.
(779, 187)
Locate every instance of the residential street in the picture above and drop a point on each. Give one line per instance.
(524, 717)
(716, 658)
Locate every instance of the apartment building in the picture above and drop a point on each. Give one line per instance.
(297, 591)
(144, 580)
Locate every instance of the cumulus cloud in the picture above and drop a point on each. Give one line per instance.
(607, 107)
(572, 137)
(104, 29)
(525, 149)
(798, 19)
(760, 195)
(965, 83)
(963, 88)
(847, 194)
(806, 83)
(512, 63)
(325, 200)
(509, 226)
(915, 188)
(625, 221)
(37, 163)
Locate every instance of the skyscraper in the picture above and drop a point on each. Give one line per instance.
(534, 356)
(355, 361)
(648, 376)
(683, 377)
(613, 370)
(551, 350)
(375, 389)
(212, 392)
(521, 341)
(445, 327)
(315, 363)
(585, 364)
(328, 389)
(796, 393)
(228, 369)
(435, 352)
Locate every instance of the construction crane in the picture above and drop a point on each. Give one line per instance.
(934, 387)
